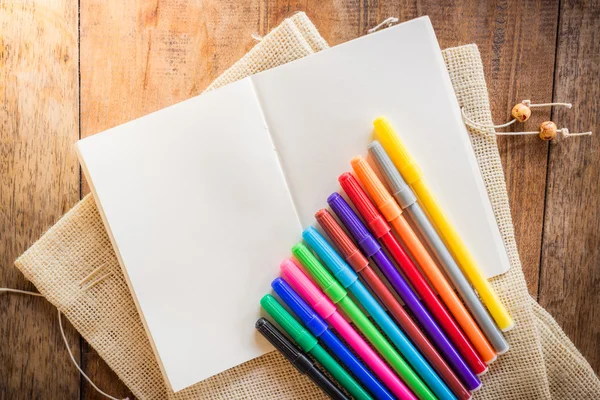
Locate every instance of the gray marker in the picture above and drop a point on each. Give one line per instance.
(408, 201)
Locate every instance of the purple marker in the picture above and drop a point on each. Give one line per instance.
(372, 249)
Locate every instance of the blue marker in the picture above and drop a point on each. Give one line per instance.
(318, 327)
(349, 280)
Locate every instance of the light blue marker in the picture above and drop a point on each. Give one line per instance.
(349, 280)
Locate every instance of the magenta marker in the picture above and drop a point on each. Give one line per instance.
(328, 311)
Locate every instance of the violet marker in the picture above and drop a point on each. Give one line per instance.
(372, 249)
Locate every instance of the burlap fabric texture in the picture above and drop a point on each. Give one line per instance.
(541, 364)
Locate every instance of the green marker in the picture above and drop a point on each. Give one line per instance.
(309, 344)
(339, 296)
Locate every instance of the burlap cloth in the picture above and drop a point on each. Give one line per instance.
(542, 362)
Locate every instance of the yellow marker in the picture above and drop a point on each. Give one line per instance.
(412, 174)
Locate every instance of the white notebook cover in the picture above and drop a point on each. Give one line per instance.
(203, 199)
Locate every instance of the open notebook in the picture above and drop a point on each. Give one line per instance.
(203, 199)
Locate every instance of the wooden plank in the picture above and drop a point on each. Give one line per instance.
(570, 270)
(514, 71)
(138, 57)
(40, 182)
(512, 41)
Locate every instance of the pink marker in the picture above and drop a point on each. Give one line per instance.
(328, 311)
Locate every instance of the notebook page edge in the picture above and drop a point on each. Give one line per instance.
(115, 246)
(81, 146)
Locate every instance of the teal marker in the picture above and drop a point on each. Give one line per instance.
(310, 344)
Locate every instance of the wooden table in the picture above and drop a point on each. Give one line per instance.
(69, 69)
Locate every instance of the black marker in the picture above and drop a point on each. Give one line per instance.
(298, 359)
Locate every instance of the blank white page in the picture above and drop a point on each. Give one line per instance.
(320, 111)
(200, 217)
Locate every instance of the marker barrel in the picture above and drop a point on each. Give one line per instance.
(339, 296)
(480, 350)
(299, 360)
(309, 344)
(384, 348)
(361, 265)
(489, 330)
(443, 344)
(372, 249)
(318, 327)
(327, 310)
(349, 280)
(413, 176)
(407, 200)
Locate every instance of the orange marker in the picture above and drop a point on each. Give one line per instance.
(393, 213)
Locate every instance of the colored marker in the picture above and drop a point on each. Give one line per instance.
(298, 359)
(310, 345)
(372, 249)
(408, 201)
(413, 176)
(339, 296)
(319, 328)
(355, 258)
(328, 311)
(349, 280)
(372, 217)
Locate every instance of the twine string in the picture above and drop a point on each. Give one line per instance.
(91, 275)
(529, 104)
(97, 281)
(20, 291)
(490, 128)
(384, 24)
(563, 131)
(64, 337)
(518, 133)
(477, 125)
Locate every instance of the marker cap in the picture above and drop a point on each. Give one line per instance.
(400, 190)
(281, 343)
(347, 248)
(365, 240)
(315, 324)
(361, 201)
(401, 157)
(328, 284)
(301, 336)
(303, 285)
(338, 267)
(380, 195)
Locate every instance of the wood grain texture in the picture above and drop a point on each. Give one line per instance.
(570, 278)
(521, 36)
(137, 57)
(39, 183)
(512, 37)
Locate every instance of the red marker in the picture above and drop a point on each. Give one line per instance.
(360, 264)
(382, 231)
